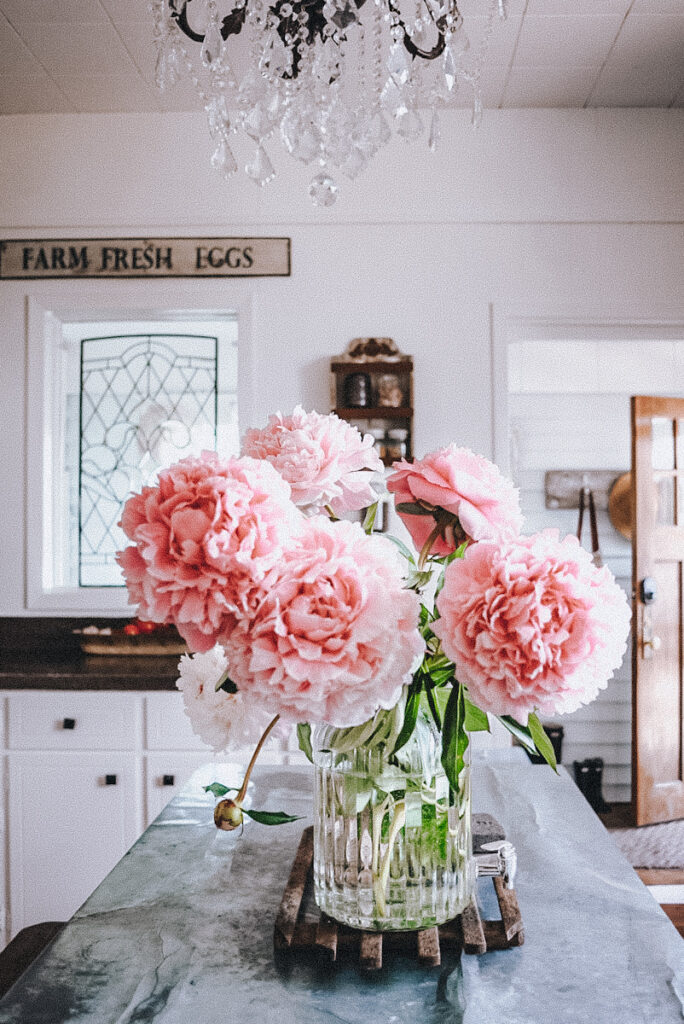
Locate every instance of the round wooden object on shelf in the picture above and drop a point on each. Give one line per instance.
(620, 505)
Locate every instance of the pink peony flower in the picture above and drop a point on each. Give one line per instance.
(204, 540)
(463, 485)
(335, 637)
(325, 460)
(532, 624)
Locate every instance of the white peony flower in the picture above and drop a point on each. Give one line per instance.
(220, 719)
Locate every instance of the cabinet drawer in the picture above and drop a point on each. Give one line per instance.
(168, 727)
(167, 773)
(68, 720)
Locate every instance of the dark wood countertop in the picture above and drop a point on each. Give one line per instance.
(94, 672)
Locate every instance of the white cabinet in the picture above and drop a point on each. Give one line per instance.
(84, 773)
(72, 817)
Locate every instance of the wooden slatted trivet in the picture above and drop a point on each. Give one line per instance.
(301, 928)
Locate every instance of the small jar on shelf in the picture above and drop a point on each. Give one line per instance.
(379, 444)
(395, 445)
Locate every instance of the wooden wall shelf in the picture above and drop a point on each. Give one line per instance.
(380, 419)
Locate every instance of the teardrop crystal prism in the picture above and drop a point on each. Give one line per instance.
(354, 163)
(477, 108)
(323, 190)
(260, 170)
(223, 161)
(258, 122)
(168, 67)
(392, 98)
(398, 63)
(211, 47)
(435, 132)
(449, 68)
(217, 116)
(409, 125)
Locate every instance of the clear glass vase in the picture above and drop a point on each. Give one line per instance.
(392, 841)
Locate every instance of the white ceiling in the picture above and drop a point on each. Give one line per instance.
(74, 56)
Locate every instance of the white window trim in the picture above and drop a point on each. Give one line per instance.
(43, 340)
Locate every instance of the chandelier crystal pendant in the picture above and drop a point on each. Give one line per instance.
(333, 79)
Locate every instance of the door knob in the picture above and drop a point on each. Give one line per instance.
(651, 646)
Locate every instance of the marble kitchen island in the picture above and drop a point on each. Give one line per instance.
(181, 930)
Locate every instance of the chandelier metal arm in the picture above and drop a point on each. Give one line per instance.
(181, 19)
(233, 23)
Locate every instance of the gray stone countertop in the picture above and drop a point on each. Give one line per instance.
(181, 931)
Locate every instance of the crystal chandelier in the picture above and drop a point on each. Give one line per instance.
(334, 79)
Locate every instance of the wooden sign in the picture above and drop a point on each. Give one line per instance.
(144, 257)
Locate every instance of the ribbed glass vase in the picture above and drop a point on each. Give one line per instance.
(392, 841)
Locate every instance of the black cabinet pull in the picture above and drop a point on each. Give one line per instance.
(168, 780)
(69, 723)
(110, 780)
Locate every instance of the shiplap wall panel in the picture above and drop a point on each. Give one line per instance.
(581, 431)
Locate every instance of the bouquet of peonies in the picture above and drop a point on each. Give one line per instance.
(301, 617)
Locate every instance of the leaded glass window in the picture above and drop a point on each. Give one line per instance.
(138, 396)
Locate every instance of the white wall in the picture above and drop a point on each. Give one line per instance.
(576, 214)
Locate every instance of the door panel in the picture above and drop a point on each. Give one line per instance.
(658, 559)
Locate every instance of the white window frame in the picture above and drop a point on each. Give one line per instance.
(44, 322)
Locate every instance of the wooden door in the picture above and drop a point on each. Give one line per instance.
(657, 565)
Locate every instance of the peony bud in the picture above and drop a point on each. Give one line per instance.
(227, 815)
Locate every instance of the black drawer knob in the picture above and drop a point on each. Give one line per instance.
(69, 723)
(168, 780)
(110, 780)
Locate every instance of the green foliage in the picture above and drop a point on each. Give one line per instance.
(304, 738)
(454, 737)
(369, 518)
(476, 720)
(226, 684)
(384, 727)
(217, 789)
(542, 741)
(410, 719)
(434, 829)
(402, 547)
(521, 732)
(272, 817)
(417, 579)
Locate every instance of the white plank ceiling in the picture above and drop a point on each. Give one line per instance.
(74, 56)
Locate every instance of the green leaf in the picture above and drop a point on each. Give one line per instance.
(304, 737)
(402, 547)
(218, 789)
(542, 741)
(226, 684)
(412, 508)
(410, 719)
(458, 553)
(434, 710)
(521, 732)
(418, 578)
(369, 519)
(476, 720)
(454, 737)
(272, 817)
